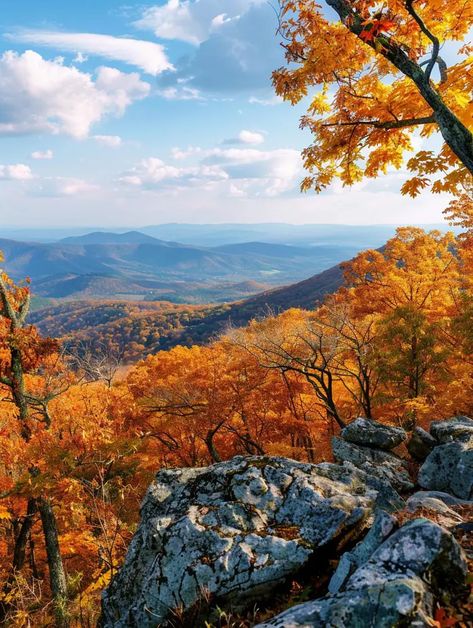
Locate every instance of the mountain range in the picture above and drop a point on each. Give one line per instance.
(137, 266)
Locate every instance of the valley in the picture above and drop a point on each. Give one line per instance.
(133, 266)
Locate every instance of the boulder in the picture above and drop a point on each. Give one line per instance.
(231, 533)
(446, 498)
(420, 444)
(359, 481)
(457, 428)
(398, 586)
(371, 433)
(382, 527)
(449, 468)
(434, 508)
(382, 464)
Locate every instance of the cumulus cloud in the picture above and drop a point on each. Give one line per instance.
(246, 137)
(235, 47)
(46, 96)
(244, 171)
(191, 21)
(42, 154)
(146, 55)
(153, 172)
(16, 172)
(112, 141)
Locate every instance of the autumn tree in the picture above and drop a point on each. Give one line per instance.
(23, 351)
(380, 78)
(414, 287)
(296, 342)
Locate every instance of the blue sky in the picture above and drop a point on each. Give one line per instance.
(144, 113)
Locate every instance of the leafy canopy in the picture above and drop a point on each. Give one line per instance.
(381, 79)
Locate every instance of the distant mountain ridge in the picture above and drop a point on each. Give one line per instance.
(106, 237)
(138, 266)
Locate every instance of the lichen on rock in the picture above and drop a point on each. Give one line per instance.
(222, 532)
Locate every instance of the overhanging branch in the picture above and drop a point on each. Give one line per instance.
(435, 41)
(388, 124)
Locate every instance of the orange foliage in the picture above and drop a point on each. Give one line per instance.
(394, 343)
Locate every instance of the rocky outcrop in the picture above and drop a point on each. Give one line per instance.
(377, 462)
(382, 527)
(232, 532)
(458, 428)
(396, 587)
(449, 466)
(371, 433)
(238, 532)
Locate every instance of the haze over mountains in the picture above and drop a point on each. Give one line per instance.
(145, 294)
(137, 266)
(138, 329)
(363, 236)
(181, 263)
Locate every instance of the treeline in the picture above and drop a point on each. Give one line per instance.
(129, 329)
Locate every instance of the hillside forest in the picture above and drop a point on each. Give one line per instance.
(82, 435)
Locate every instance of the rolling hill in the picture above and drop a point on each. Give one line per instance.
(141, 328)
(136, 266)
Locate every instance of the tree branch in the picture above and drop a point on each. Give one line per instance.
(442, 68)
(388, 124)
(436, 43)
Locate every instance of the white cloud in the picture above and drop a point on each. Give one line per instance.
(146, 55)
(236, 49)
(56, 187)
(112, 141)
(180, 92)
(16, 172)
(42, 96)
(42, 154)
(80, 58)
(191, 21)
(154, 172)
(246, 137)
(179, 153)
(241, 171)
(74, 187)
(266, 102)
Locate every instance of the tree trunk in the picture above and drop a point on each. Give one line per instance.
(19, 554)
(209, 442)
(57, 574)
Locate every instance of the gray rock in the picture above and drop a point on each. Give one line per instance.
(457, 428)
(398, 603)
(437, 508)
(418, 564)
(449, 468)
(231, 532)
(371, 433)
(420, 444)
(382, 464)
(382, 527)
(358, 481)
(446, 498)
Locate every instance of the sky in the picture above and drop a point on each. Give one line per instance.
(134, 114)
